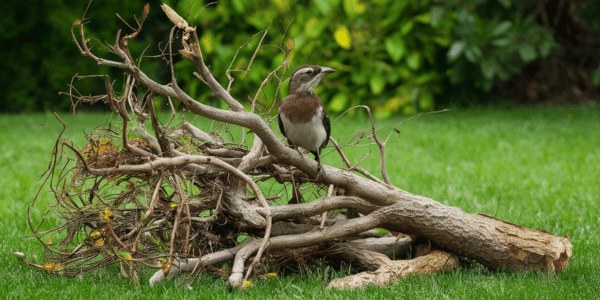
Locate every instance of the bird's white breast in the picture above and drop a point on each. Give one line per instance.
(309, 135)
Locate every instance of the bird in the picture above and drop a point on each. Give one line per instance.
(302, 118)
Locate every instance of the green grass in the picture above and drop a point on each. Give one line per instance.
(539, 167)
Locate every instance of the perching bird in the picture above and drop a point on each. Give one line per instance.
(302, 119)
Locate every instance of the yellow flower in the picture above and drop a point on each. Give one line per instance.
(360, 7)
(105, 146)
(126, 256)
(173, 206)
(342, 37)
(247, 283)
(97, 148)
(97, 233)
(106, 215)
(394, 103)
(355, 7)
(271, 275)
(52, 266)
(99, 243)
(282, 5)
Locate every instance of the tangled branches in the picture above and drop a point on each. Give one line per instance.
(182, 199)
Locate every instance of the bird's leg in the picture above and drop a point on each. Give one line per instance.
(320, 171)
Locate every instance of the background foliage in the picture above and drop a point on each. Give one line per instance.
(397, 56)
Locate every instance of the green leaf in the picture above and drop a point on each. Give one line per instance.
(501, 42)
(527, 52)
(473, 53)
(238, 5)
(456, 50)
(489, 68)
(406, 27)
(426, 101)
(377, 83)
(437, 13)
(414, 61)
(409, 110)
(338, 103)
(325, 6)
(395, 47)
(501, 28)
(314, 27)
(359, 77)
(546, 46)
(424, 18)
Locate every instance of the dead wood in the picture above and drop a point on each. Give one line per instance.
(181, 199)
(383, 271)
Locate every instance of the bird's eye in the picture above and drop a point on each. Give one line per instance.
(309, 72)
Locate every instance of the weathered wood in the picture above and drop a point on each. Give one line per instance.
(383, 271)
(494, 243)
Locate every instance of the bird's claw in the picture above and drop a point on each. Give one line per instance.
(298, 150)
(320, 172)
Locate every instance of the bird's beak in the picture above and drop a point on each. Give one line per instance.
(327, 70)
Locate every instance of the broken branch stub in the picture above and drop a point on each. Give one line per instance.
(181, 199)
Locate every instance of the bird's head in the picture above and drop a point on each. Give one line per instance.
(306, 77)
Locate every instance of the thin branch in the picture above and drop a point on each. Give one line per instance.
(380, 145)
(324, 214)
(237, 52)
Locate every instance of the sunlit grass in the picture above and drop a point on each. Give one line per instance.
(539, 167)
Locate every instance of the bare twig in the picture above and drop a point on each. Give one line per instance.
(237, 52)
(380, 145)
(351, 167)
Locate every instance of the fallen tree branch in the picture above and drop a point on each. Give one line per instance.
(206, 206)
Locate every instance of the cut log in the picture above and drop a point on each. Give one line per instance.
(494, 243)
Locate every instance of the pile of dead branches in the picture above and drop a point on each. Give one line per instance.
(176, 197)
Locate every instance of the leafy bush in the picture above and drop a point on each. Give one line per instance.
(492, 41)
(394, 64)
(397, 56)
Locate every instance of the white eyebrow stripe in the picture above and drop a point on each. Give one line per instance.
(304, 70)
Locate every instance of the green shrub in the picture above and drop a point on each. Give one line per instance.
(492, 40)
(396, 56)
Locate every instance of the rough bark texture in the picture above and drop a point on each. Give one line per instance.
(494, 243)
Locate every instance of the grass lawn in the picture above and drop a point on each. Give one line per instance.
(539, 167)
